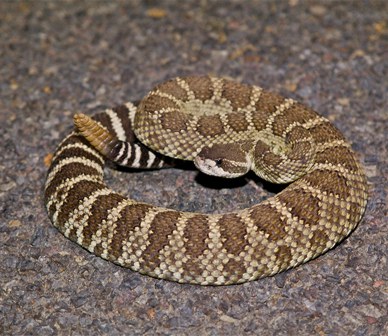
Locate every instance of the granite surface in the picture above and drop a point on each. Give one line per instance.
(60, 57)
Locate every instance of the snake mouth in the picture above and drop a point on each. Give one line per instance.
(208, 167)
(215, 168)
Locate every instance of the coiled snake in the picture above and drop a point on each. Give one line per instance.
(227, 128)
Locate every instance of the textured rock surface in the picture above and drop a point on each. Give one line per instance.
(63, 57)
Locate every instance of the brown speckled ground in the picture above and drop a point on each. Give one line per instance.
(61, 57)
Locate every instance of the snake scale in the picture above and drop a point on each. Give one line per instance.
(227, 128)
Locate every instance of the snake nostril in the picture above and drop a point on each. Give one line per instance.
(219, 162)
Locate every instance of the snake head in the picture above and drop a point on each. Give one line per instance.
(223, 160)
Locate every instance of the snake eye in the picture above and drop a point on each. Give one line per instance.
(218, 162)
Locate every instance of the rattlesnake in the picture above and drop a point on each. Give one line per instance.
(227, 128)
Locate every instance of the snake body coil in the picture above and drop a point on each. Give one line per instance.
(227, 128)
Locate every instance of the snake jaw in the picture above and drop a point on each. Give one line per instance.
(222, 167)
(209, 167)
